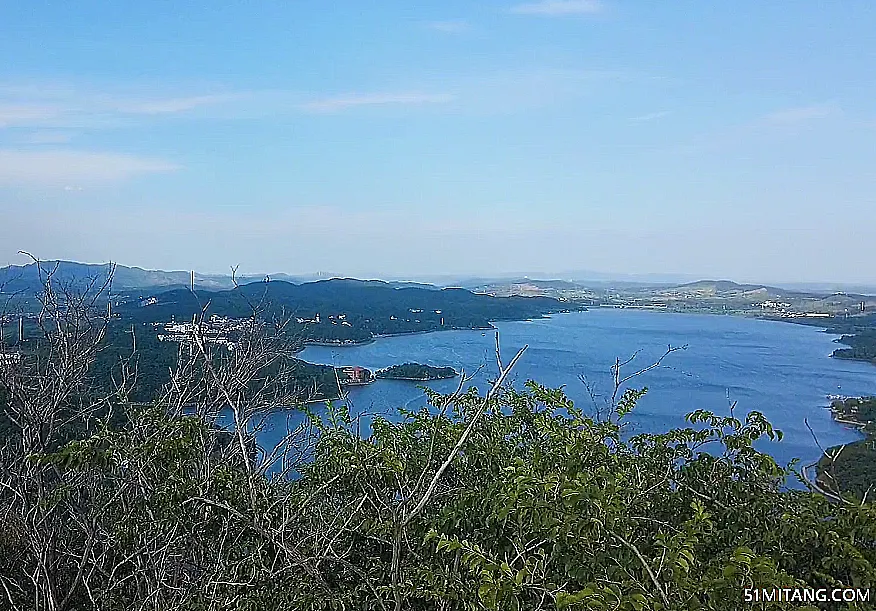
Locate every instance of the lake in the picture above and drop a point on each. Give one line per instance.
(780, 369)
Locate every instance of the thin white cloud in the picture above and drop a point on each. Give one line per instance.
(66, 167)
(651, 116)
(803, 113)
(559, 7)
(67, 109)
(452, 26)
(59, 108)
(335, 104)
(177, 105)
(47, 137)
(25, 114)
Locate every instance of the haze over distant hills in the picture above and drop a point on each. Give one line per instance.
(26, 277)
(18, 278)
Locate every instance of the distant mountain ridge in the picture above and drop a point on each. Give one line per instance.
(723, 287)
(26, 278)
(14, 278)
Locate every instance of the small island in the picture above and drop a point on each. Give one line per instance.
(416, 372)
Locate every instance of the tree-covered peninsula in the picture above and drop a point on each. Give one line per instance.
(851, 468)
(343, 311)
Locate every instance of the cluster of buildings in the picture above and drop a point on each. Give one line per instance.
(353, 376)
(215, 330)
(9, 358)
(785, 311)
(769, 303)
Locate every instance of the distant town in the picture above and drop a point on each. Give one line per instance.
(723, 297)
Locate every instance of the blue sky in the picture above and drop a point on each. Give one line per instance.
(731, 140)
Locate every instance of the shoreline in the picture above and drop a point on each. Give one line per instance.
(490, 327)
(821, 323)
(838, 336)
(420, 379)
(425, 331)
(331, 344)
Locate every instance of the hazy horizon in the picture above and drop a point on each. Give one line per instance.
(692, 140)
(581, 276)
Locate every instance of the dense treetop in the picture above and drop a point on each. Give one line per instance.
(416, 371)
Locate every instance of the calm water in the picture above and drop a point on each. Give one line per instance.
(780, 369)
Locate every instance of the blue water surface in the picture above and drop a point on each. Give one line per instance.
(781, 369)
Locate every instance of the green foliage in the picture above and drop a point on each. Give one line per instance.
(544, 507)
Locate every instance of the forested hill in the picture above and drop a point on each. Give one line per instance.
(351, 310)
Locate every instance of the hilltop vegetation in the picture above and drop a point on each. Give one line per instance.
(728, 287)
